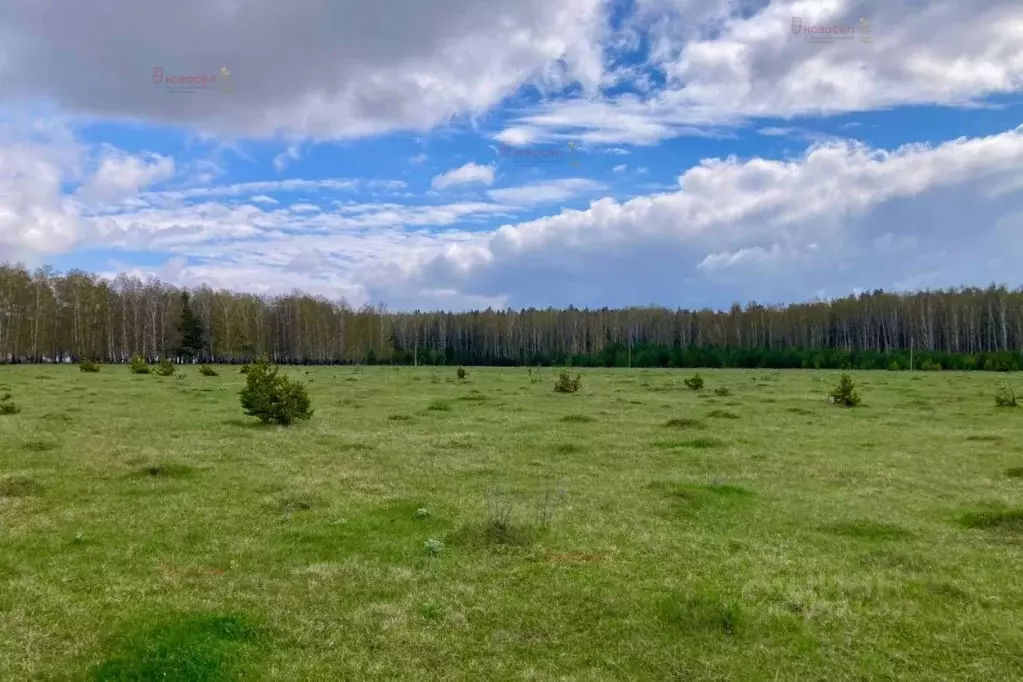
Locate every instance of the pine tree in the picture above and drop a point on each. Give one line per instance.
(191, 330)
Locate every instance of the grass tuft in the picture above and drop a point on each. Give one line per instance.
(40, 445)
(17, 485)
(578, 419)
(683, 423)
(169, 470)
(867, 530)
(695, 614)
(195, 648)
(994, 519)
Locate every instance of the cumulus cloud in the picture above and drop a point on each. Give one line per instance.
(723, 64)
(334, 69)
(470, 173)
(843, 215)
(121, 176)
(36, 217)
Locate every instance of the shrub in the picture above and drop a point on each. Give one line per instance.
(694, 383)
(930, 366)
(138, 365)
(207, 371)
(722, 391)
(88, 366)
(461, 373)
(165, 368)
(844, 394)
(566, 384)
(1006, 397)
(244, 369)
(893, 366)
(7, 406)
(273, 398)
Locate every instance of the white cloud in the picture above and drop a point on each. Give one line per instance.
(619, 168)
(334, 69)
(844, 215)
(775, 131)
(386, 184)
(738, 66)
(121, 176)
(292, 153)
(35, 218)
(544, 192)
(470, 173)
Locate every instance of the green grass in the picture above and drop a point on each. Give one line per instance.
(632, 530)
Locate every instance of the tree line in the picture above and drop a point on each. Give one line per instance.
(46, 316)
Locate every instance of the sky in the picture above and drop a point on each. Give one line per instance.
(465, 154)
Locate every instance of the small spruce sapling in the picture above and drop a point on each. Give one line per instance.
(272, 397)
(844, 394)
(138, 365)
(1006, 397)
(567, 384)
(694, 383)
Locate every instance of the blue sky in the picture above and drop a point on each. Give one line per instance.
(481, 153)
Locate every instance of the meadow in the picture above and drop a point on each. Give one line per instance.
(423, 527)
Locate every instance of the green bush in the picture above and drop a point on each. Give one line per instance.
(722, 391)
(273, 398)
(844, 394)
(208, 371)
(245, 369)
(88, 366)
(930, 366)
(1006, 397)
(566, 384)
(138, 365)
(165, 368)
(694, 383)
(461, 373)
(7, 406)
(893, 366)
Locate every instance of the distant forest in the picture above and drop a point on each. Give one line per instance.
(46, 316)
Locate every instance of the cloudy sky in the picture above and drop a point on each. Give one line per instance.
(461, 154)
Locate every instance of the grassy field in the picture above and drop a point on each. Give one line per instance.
(634, 530)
